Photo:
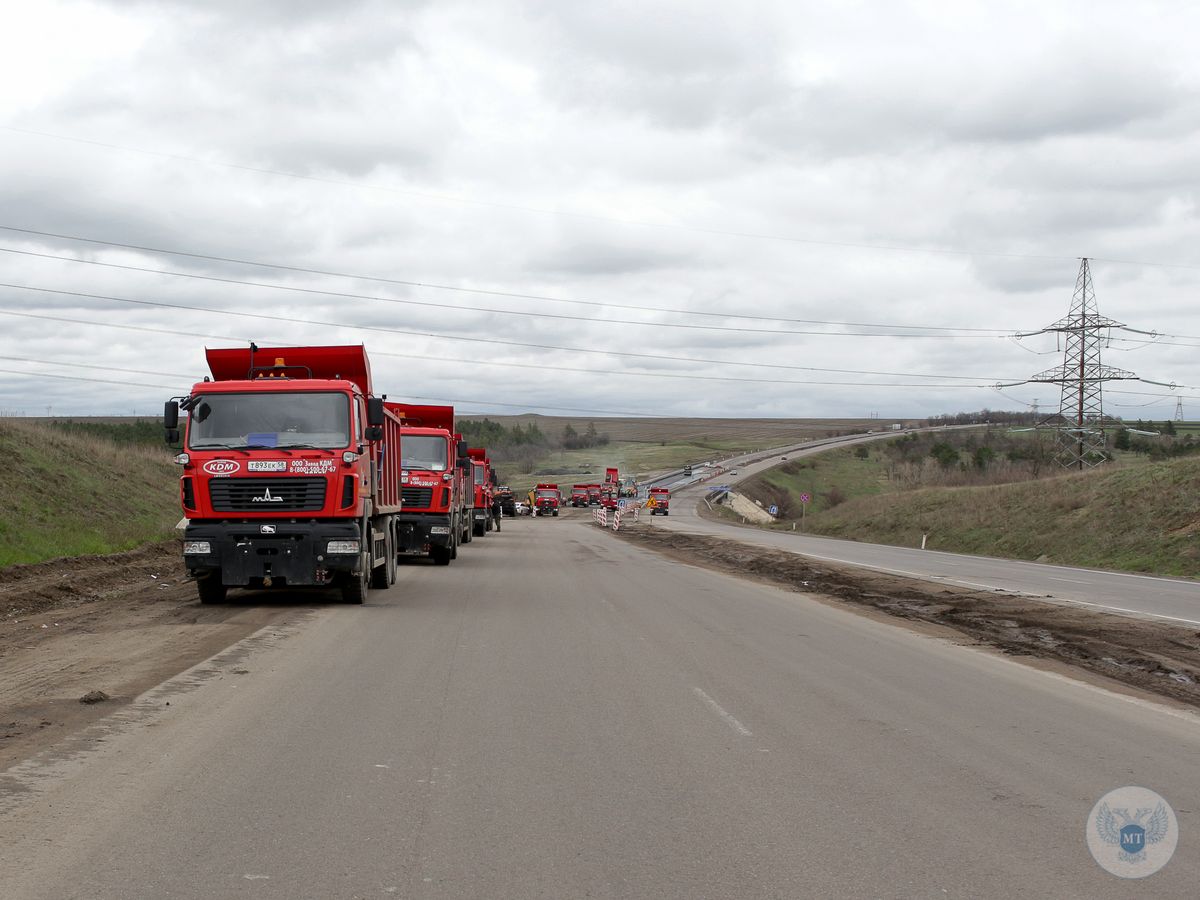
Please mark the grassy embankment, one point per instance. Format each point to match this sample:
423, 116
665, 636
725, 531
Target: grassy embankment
73, 492
1133, 515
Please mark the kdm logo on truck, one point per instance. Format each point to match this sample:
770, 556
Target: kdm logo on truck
221, 466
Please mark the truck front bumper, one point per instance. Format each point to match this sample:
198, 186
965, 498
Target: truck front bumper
418, 532
294, 553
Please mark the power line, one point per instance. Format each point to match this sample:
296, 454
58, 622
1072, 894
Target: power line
478, 340
442, 359
482, 309
525, 406
458, 289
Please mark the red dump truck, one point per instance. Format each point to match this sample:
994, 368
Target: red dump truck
291, 472
659, 502
434, 481
579, 495
612, 476
595, 493
484, 480
544, 499
608, 495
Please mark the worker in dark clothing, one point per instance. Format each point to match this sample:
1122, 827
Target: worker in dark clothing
497, 511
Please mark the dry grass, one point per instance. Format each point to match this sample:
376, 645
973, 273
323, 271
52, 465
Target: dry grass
1140, 519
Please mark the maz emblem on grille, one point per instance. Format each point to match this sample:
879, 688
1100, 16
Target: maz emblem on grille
267, 497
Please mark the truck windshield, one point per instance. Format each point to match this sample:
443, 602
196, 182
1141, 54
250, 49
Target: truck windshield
270, 419
478, 474
423, 452
547, 493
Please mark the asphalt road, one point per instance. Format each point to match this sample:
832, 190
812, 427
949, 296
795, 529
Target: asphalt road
560, 714
1167, 599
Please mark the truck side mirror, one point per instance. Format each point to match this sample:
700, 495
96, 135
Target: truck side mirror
462, 450
171, 421
464, 464
373, 432
375, 414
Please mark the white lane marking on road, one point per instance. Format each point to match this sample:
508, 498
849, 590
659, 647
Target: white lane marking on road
722, 714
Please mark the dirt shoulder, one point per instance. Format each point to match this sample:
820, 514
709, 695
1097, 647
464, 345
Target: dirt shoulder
1150, 656
118, 624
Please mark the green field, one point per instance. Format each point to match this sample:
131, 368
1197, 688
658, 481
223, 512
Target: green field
641, 446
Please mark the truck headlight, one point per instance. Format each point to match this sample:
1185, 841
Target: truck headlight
196, 548
342, 547
440, 529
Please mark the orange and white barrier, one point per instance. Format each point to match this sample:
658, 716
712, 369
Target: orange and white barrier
603, 518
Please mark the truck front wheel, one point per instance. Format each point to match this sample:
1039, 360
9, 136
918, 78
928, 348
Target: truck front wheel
355, 587
210, 589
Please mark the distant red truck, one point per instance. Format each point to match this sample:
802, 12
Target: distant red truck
484, 478
435, 482
579, 495
659, 503
544, 499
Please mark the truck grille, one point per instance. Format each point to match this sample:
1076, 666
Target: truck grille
421, 498
267, 494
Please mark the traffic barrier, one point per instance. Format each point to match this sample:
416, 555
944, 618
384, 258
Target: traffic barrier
600, 516
624, 513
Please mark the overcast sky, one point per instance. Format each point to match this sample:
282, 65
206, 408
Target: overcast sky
762, 173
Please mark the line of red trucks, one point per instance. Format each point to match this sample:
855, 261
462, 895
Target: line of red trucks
296, 473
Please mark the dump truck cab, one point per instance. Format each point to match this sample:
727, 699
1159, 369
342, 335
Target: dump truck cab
659, 503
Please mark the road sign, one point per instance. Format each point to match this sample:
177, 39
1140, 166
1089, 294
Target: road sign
621, 504
804, 498
774, 510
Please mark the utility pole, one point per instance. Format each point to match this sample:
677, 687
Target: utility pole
1080, 421
1178, 409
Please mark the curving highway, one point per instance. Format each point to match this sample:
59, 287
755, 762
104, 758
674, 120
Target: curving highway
1166, 599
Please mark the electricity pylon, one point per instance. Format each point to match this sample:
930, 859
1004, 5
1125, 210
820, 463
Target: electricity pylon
1080, 421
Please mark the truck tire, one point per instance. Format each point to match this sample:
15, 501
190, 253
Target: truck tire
210, 589
355, 587
440, 555
555, 513
487, 523
384, 576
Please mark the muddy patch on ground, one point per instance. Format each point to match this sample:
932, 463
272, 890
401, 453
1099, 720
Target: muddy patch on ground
1152, 656
111, 625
